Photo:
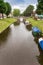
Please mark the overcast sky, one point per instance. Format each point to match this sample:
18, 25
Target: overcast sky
21, 4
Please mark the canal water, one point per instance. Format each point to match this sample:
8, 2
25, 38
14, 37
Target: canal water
18, 47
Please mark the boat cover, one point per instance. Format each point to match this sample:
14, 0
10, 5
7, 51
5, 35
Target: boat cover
35, 29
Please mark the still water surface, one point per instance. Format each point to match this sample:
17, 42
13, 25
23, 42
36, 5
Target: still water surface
17, 47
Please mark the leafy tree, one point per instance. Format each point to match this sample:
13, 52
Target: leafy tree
40, 0
28, 10
2, 7
16, 12
1, 1
39, 9
8, 8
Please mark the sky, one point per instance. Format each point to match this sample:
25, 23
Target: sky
21, 4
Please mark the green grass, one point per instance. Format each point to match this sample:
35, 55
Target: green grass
38, 23
4, 23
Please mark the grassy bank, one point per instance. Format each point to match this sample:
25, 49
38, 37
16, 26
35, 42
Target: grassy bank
4, 23
38, 23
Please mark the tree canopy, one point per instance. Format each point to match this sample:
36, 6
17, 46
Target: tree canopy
5, 8
2, 6
16, 12
8, 8
28, 10
39, 9
40, 0
1, 1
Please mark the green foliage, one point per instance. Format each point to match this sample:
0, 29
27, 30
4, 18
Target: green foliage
8, 8
5, 23
39, 9
40, 0
37, 23
28, 11
1, 1
2, 7
16, 12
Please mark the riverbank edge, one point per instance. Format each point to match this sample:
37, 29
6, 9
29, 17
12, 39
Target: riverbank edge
36, 23
8, 26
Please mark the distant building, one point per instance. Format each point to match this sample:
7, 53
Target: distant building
10, 15
0, 16
36, 16
3, 16
40, 16
33, 13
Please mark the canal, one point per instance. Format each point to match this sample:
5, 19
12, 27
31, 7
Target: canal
18, 47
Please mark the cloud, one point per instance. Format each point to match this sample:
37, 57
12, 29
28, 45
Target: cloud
17, 2
22, 7
21, 4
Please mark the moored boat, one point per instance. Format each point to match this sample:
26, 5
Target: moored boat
36, 32
41, 42
21, 19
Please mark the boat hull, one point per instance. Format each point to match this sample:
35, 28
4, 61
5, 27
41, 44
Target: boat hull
41, 43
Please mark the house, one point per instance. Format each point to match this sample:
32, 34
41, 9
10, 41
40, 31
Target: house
0, 16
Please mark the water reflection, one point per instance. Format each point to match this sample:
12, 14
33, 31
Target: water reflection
4, 35
17, 23
29, 27
36, 40
19, 48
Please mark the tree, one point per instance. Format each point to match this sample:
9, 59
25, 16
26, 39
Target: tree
40, 0
8, 9
28, 10
16, 12
39, 9
1, 1
2, 7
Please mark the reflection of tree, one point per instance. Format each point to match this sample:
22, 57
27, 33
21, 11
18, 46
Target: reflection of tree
17, 22
4, 35
40, 57
29, 27
36, 39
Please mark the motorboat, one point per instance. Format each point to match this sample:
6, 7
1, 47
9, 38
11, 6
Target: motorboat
36, 31
41, 42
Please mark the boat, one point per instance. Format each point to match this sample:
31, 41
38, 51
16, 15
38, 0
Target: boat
41, 42
21, 19
26, 22
36, 32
